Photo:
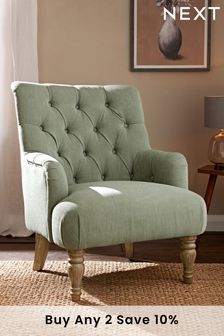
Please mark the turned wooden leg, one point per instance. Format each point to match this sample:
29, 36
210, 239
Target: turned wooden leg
188, 255
41, 250
75, 272
129, 250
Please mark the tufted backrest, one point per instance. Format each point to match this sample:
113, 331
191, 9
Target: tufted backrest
95, 132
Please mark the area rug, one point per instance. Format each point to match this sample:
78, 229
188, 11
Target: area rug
111, 283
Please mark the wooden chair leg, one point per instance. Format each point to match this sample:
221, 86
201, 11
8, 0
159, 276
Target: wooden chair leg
129, 250
75, 272
188, 255
41, 250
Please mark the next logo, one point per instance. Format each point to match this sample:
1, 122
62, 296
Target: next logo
185, 13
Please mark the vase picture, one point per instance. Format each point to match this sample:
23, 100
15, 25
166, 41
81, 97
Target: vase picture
161, 40
170, 39
170, 36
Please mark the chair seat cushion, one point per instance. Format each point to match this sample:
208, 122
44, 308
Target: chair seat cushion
107, 213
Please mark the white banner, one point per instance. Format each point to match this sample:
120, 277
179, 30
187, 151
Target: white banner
112, 320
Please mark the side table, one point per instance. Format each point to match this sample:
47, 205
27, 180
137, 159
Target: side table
213, 172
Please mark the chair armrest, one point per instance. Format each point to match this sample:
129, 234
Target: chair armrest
161, 167
44, 185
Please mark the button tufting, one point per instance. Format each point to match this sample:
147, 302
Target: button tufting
125, 125
131, 176
103, 177
95, 129
84, 153
152, 178
107, 104
114, 151
77, 106
41, 127
50, 103
67, 130
59, 154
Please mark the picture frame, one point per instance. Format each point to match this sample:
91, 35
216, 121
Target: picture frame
147, 26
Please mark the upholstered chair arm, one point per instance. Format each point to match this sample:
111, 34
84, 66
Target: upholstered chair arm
44, 185
161, 167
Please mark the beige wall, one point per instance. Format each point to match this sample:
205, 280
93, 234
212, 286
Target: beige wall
87, 42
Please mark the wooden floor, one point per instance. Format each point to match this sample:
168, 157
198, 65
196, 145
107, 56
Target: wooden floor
210, 250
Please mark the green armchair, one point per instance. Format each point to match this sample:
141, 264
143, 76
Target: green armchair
91, 179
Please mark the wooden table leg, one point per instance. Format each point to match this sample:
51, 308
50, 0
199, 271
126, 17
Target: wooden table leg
209, 190
208, 197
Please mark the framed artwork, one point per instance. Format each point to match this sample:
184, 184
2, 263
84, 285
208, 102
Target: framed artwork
164, 42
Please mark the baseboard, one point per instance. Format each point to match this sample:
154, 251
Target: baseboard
215, 223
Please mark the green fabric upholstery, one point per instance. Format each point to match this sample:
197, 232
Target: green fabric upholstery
44, 185
90, 177
161, 167
106, 213
94, 132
